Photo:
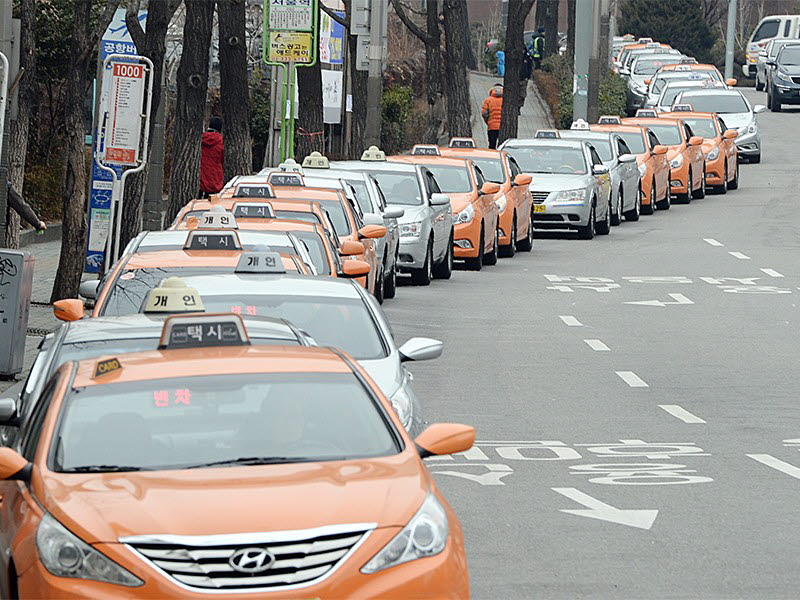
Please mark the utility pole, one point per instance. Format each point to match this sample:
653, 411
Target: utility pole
605, 37
372, 132
5, 48
583, 42
730, 39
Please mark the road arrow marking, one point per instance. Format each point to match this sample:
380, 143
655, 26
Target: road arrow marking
679, 299
639, 518
712, 241
771, 461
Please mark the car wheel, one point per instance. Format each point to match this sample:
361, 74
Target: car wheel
491, 258
687, 197
604, 226
509, 250
755, 159
650, 208
759, 85
774, 103
445, 268
390, 283
616, 216
733, 184
701, 191
423, 275
526, 245
634, 213
723, 189
476, 264
587, 231
667, 201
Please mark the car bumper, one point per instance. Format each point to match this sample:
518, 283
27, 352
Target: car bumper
679, 179
636, 101
561, 215
750, 143
467, 239
715, 170
505, 223
785, 94
411, 253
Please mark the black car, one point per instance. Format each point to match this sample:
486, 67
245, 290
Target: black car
784, 85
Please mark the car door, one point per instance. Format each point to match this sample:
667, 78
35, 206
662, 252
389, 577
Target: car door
630, 173
728, 147
696, 154
661, 162
603, 180
521, 194
487, 205
441, 238
392, 228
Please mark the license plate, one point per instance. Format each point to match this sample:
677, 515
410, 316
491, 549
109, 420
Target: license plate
538, 208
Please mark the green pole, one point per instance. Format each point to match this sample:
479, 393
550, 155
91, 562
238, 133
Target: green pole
292, 70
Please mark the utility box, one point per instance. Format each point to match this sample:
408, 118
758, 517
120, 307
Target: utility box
16, 282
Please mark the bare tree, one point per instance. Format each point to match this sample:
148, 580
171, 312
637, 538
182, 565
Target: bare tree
517, 13
310, 125
18, 130
234, 88
571, 27
73, 233
190, 106
547, 17
713, 11
456, 81
358, 88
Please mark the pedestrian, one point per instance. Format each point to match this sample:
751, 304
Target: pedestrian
525, 71
492, 111
17, 202
212, 174
537, 48
501, 63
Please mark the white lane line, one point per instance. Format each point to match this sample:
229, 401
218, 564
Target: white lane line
570, 321
771, 461
713, 242
739, 255
632, 379
681, 413
772, 272
597, 346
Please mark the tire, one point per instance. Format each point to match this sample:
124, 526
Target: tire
650, 208
774, 105
509, 250
667, 201
604, 226
390, 283
423, 275
491, 259
445, 268
723, 189
378, 293
634, 213
755, 159
526, 245
587, 231
759, 85
687, 197
733, 184
701, 193
616, 217
476, 264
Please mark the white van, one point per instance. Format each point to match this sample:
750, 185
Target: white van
774, 26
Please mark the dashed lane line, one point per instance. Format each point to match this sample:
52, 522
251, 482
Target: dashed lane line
779, 465
597, 346
632, 379
713, 242
772, 272
570, 321
739, 255
681, 413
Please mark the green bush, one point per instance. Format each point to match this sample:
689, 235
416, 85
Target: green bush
397, 109
612, 95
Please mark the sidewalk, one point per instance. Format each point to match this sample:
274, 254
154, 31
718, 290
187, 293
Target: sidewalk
535, 114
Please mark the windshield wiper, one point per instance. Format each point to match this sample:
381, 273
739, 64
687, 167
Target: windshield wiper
250, 460
102, 469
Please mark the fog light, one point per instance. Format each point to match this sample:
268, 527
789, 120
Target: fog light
500, 232
463, 243
675, 183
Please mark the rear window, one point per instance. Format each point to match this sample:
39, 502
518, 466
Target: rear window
767, 30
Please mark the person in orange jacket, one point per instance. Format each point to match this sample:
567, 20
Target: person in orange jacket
491, 112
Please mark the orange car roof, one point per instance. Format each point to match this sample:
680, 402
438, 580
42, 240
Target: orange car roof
644, 121
428, 160
219, 360
612, 127
303, 193
687, 114
193, 258
692, 67
467, 153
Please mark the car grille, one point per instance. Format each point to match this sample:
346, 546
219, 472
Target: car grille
204, 563
796, 79
539, 197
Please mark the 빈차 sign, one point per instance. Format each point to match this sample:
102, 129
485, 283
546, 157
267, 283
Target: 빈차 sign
290, 46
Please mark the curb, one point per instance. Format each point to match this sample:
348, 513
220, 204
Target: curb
31, 236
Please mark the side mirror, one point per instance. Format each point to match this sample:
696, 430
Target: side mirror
759, 108
695, 140
88, 289
440, 199
730, 134
372, 219
658, 150
351, 248
354, 268
730, 81
627, 158
599, 169
372, 232
69, 309
523, 179
14, 466
393, 212
8, 411
420, 348
489, 187
444, 438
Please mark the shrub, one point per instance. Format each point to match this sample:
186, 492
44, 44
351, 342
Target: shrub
397, 108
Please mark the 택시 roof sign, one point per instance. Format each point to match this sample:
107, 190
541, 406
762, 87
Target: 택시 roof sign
425, 150
203, 331
253, 210
212, 240
253, 190
289, 179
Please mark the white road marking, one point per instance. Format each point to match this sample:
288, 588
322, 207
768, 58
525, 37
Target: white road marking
597, 346
679, 299
771, 461
739, 255
713, 242
632, 379
681, 413
570, 321
772, 272
595, 509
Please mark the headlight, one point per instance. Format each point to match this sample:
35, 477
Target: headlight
425, 535
501, 203
65, 555
752, 128
402, 405
783, 78
713, 154
570, 195
466, 215
642, 169
411, 229
676, 162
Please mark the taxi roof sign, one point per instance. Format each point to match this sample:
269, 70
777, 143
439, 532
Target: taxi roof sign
689, 60
253, 210
205, 239
683, 67
315, 160
644, 40
373, 153
286, 178
462, 142
290, 166
203, 331
653, 45
106, 366
217, 218
646, 112
609, 120
579, 124
260, 261
253, 190
172, 296
425, 150
550, 134
683, 108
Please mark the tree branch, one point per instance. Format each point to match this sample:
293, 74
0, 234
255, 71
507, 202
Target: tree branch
340, 20
102, 24
134, 27
413, 27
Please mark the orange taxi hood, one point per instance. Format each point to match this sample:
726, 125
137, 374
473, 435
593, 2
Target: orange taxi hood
459, 201
227, 500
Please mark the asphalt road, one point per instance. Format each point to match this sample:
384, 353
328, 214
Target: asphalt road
594, 413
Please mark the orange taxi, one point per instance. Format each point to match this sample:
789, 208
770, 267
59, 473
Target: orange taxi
684, 152
513, 200
213, 467
710, 69
651, 158
475, 235
624, 53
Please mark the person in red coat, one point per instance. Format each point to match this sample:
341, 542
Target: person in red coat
212, 176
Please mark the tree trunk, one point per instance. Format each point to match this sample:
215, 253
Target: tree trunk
433, 74
234, 88
152, 44
469, 55
18, 130
571, 27
547, 17
358, 92
310, 133
190, 106
517, 14
73, 233
458, 101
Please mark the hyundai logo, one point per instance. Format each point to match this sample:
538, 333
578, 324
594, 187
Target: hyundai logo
251, 560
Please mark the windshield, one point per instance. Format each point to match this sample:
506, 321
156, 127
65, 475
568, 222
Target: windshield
399, 188
703, 127
344, 323
718, 103
634, 140
451, 180
562, 160
491, 168
649, 66
669, 94
220, 420
339, 220
669, 135
790, 57
659, 83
